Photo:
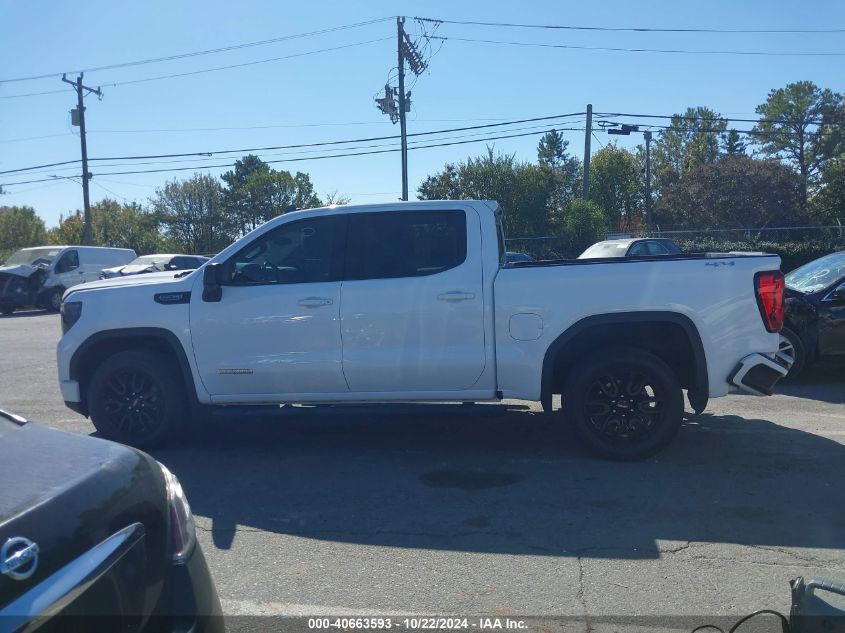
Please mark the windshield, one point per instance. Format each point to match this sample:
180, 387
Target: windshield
818, 274
33, 257
605, 249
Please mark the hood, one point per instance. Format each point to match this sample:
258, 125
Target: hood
68, 505
163, 278
19, 270
133, 269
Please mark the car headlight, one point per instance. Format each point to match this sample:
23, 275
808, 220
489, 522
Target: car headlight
183, 532
71, 311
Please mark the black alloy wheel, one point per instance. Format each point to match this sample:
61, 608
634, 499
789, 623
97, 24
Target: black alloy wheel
626, 403
135, 397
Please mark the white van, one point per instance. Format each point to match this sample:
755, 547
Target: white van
40, 275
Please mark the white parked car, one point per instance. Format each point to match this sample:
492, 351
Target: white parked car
413, 302
631, 247
154, 264
40, 275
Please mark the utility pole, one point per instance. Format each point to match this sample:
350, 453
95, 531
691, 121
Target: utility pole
587, 136
400, 47
78, 118
396, 103
647, 136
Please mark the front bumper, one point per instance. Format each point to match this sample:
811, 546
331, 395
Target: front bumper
757, 374
70, 392
189, 600
105, 590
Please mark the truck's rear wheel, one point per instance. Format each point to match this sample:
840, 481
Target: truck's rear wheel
626, 403
135, 397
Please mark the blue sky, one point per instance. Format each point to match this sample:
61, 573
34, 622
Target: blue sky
329, 96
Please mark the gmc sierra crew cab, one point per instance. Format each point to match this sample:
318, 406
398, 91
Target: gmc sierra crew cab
415, 302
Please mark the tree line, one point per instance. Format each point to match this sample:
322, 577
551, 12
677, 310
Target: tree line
787, 170
198, 215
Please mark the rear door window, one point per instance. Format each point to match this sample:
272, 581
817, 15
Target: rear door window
638, 250
405, 244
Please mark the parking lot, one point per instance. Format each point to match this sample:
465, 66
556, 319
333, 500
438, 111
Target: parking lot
496, 509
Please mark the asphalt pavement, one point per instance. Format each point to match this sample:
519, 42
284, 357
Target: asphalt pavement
497, 509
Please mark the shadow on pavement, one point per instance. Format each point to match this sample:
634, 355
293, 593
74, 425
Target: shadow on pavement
817, 383
511, 481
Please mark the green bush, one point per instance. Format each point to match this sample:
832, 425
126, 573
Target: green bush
793, 253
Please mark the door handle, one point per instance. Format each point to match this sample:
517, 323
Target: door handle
455, 296
315, 302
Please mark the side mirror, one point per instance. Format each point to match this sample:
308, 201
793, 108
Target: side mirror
838, 293
211, 290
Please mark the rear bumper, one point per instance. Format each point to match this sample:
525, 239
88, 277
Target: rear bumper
757, 374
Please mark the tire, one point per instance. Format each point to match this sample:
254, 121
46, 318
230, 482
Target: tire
791, 344
53, 301
137, 397
626, 403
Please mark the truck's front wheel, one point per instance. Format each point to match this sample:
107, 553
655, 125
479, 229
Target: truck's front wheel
626, 403
135, 397
53, 299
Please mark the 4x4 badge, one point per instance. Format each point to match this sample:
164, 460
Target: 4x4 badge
18, 558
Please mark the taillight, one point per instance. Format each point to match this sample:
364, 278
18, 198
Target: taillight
769, 289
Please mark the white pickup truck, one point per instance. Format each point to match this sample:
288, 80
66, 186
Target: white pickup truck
414, 302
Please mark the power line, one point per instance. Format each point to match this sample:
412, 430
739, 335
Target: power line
34, 138
64, 162
726, 130
290, 160
306, 151
210, 51
630, 29
211, 154
107, 190
215, 69
243, 64
300, 145
189, 130
641, 50
33, 94
696, 118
